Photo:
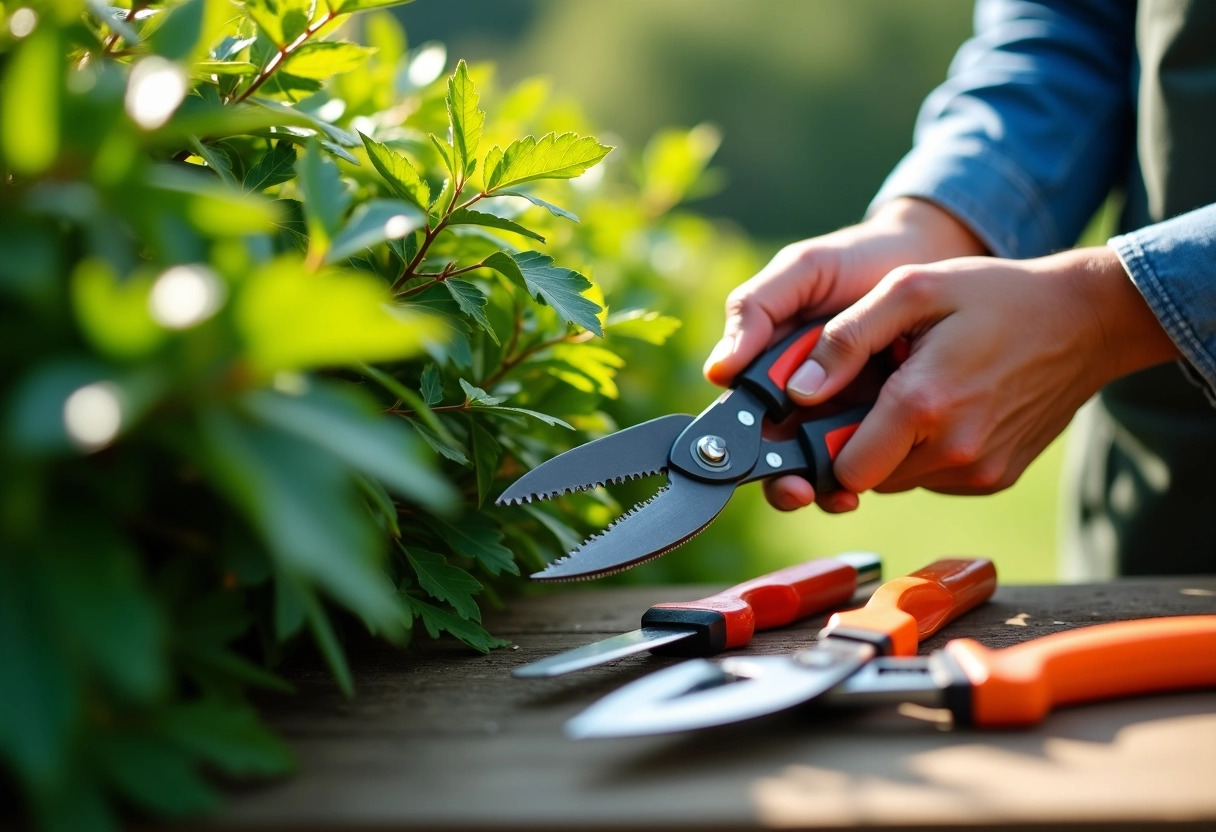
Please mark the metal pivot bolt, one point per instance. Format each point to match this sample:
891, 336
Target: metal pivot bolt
712, 450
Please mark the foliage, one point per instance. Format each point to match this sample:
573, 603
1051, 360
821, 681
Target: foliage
277, 329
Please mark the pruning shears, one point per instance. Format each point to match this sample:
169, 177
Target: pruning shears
704, 458
701, 693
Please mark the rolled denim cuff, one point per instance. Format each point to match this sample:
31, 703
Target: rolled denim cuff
982, 189
1173, 264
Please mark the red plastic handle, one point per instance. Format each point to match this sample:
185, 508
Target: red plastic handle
1020, 685
777, 599
914, 607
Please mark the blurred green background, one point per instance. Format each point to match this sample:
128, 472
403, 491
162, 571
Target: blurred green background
813, 104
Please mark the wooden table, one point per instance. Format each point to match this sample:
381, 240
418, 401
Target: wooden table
449, 740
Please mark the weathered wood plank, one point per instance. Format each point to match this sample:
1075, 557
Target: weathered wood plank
446, 739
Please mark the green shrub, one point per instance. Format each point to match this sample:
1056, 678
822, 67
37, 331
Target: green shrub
283, 309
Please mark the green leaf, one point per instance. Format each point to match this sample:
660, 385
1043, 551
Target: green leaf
29, 100
325, 197
567, 538
374, 222
472, 302
595, 365
641, 325
304, 505
476, 537
553, 156
540, 203
282, 20
274, 167
544, 417
449, 448
180, 32
446, 582
486, 454
289, 613
327, 642
447, 154
154, 775
114, 313
290, 319
465, 216
229, 736
560, 288
439, 620
349, 427
465, 118
209, 68
321, 60
397, 171
432, 385
348, 6
216, 158
477, 396
381, 504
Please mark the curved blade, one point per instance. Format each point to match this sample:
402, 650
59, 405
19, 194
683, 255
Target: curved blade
678, 512
701, 693
639, 451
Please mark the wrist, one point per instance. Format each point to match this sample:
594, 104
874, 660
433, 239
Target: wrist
930, 232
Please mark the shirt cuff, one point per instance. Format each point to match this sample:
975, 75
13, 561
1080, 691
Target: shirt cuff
981, 188
1173, 264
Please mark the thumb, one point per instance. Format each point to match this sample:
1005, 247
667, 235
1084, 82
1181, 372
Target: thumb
848, 341
746, 334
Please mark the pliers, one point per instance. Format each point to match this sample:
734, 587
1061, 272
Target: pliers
704, 459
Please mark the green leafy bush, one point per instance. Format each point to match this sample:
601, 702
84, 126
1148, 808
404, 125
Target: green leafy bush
283, 309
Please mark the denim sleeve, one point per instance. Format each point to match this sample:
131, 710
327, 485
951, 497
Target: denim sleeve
1173, 264
1032, 127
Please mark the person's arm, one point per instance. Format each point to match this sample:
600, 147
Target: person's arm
1032, 127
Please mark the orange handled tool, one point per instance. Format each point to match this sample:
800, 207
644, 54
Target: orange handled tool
700, 693
729, 618
1020, 685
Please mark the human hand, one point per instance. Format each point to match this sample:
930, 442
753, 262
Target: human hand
823, 275
1002, 353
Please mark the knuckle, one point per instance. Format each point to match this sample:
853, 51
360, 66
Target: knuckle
915, 285
988, 476
922, 406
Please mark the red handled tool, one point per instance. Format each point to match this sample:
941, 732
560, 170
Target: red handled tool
728, 619
704, 459
700, 693
1020, 685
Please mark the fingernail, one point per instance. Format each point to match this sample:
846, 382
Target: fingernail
807, 379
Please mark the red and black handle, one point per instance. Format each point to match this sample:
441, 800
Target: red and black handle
730, 618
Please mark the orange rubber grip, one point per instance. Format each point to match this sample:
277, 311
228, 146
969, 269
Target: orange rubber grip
916, 606
1020, 685
777, 599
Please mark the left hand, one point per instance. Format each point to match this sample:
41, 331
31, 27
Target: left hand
1002, 354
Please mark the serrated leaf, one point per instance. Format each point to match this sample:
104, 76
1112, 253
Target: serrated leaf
339, 151
478, 396
555, 210
398, 172
553, 156
559, 287
446, 582
274, 167
641, 325
476, 536
486, 454
216, 158
438, 620
432, 385
465, 118
374, 222
321, 60
472, 302
451, 449
466, 216
446, 153
282, 20
544, 417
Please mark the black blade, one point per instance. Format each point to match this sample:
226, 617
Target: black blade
639, 451
677, 513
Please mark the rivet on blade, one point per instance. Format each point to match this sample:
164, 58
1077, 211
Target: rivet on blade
712, 450
746, 418
773, 460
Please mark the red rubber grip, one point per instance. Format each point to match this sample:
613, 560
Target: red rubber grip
777, 599
790, 360
914, 607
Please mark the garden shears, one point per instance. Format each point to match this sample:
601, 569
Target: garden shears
701, 693
704, 458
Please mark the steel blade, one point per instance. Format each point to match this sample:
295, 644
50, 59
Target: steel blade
674, 515
634, 452
590, 655
701, 693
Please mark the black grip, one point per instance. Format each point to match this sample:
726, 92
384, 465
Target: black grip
822, 440
766, 377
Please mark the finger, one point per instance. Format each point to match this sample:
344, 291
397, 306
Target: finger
789, 493
852, 337
883, 440
838, 502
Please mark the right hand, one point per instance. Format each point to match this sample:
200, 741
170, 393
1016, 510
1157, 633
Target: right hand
824, 275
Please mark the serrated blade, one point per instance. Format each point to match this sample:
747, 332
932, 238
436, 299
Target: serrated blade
638, 451
600, 652
700, 693
674, 515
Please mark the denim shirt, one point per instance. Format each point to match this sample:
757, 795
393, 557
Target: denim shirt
1034, 126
